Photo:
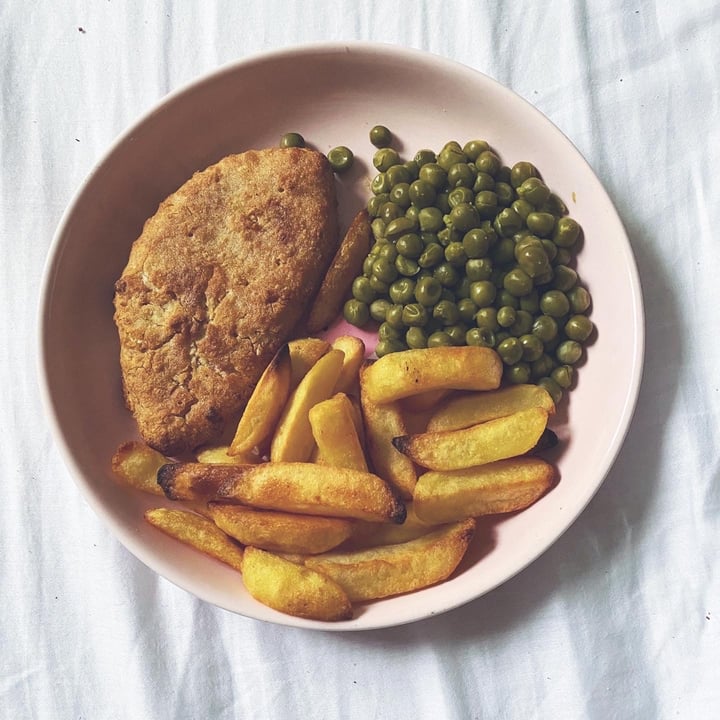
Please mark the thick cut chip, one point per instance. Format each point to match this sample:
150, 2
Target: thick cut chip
333, 427
308, 489
304, 353
424, 401
265, 405
345, 266
293, 589
137, 465
382, 424
472, 408
215, 284
191, 481
505, 437
198, 532
394, 569
280, 531
219, 454
500, 487
367, 534
354, 350
293, 440
410, 372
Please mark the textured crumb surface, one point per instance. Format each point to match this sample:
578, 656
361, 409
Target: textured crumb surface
216, 282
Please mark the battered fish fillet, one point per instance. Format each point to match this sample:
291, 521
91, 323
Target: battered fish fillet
215, 284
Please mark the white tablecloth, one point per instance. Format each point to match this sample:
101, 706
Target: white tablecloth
619, 619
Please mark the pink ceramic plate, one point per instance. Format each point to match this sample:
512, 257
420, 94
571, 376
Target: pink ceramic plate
333, 94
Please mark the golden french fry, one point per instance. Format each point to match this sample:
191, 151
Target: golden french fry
499, 487
354, 349
279, 531
293, 589
346, 265
371, 534
265, 405
137, 465
219, 454
188, 482
334, 431
409, 372
382, 424
307, 489
393, 569
293, 440
493, 440
198, 532
304, 353
422, 402
470, 409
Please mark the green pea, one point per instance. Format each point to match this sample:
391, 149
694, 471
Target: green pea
523, 208
551, 249
447, 312
380, 136
457, 333
446, 274
518, 282
292, 139
467, 309
399, 226
505, 194
427, 291
473, 148
503, 252
523, 323
545, 328
564, 278
533, 260
459, 195
554, 303
555, 206
432, 173
478, 269
488, 162
400, 194
451, 154
402, 291
476, 243
510, 350
464, 217
541, 367
407, 267
566, 233
376, 202
578, 327
356, 313
380, 184
517, 374
422, 193
379, 286
506, 316
390, 211
487, 317
385, 158
378, 309
461, 175
393, 316
388, 332
385, 347
532, 347
486, 203
563, 375
416, 338
483, 181
534, 190
439, 339
384, 270
482, 293
455, 254
540, 223
377, 226
415, 315
397, 175
501, 335
507, 222
413, 169
482, 337
531, 302
412, 214
410, 245
568, 352
553, 389
362, 290
367, 266
423, 157
430, 219
387, 251
579, 299
341, 158
442, 203
432, 255
521, 171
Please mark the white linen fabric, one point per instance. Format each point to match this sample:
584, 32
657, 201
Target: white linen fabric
620, 618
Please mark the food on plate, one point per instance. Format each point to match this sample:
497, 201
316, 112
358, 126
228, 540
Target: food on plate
304, 353
373, 534
394, 569
354, 351
504, 437
422, 402
293, 589
293, 440
265, 405
215, 284
137, 465
341, 158
180, 483
469, 251
220, 454
473, 408
278, 531
333, 427
499, 487
292, 139
382, 424
198, 532
402, 374
343, 268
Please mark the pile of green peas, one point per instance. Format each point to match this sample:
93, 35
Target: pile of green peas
468, 251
